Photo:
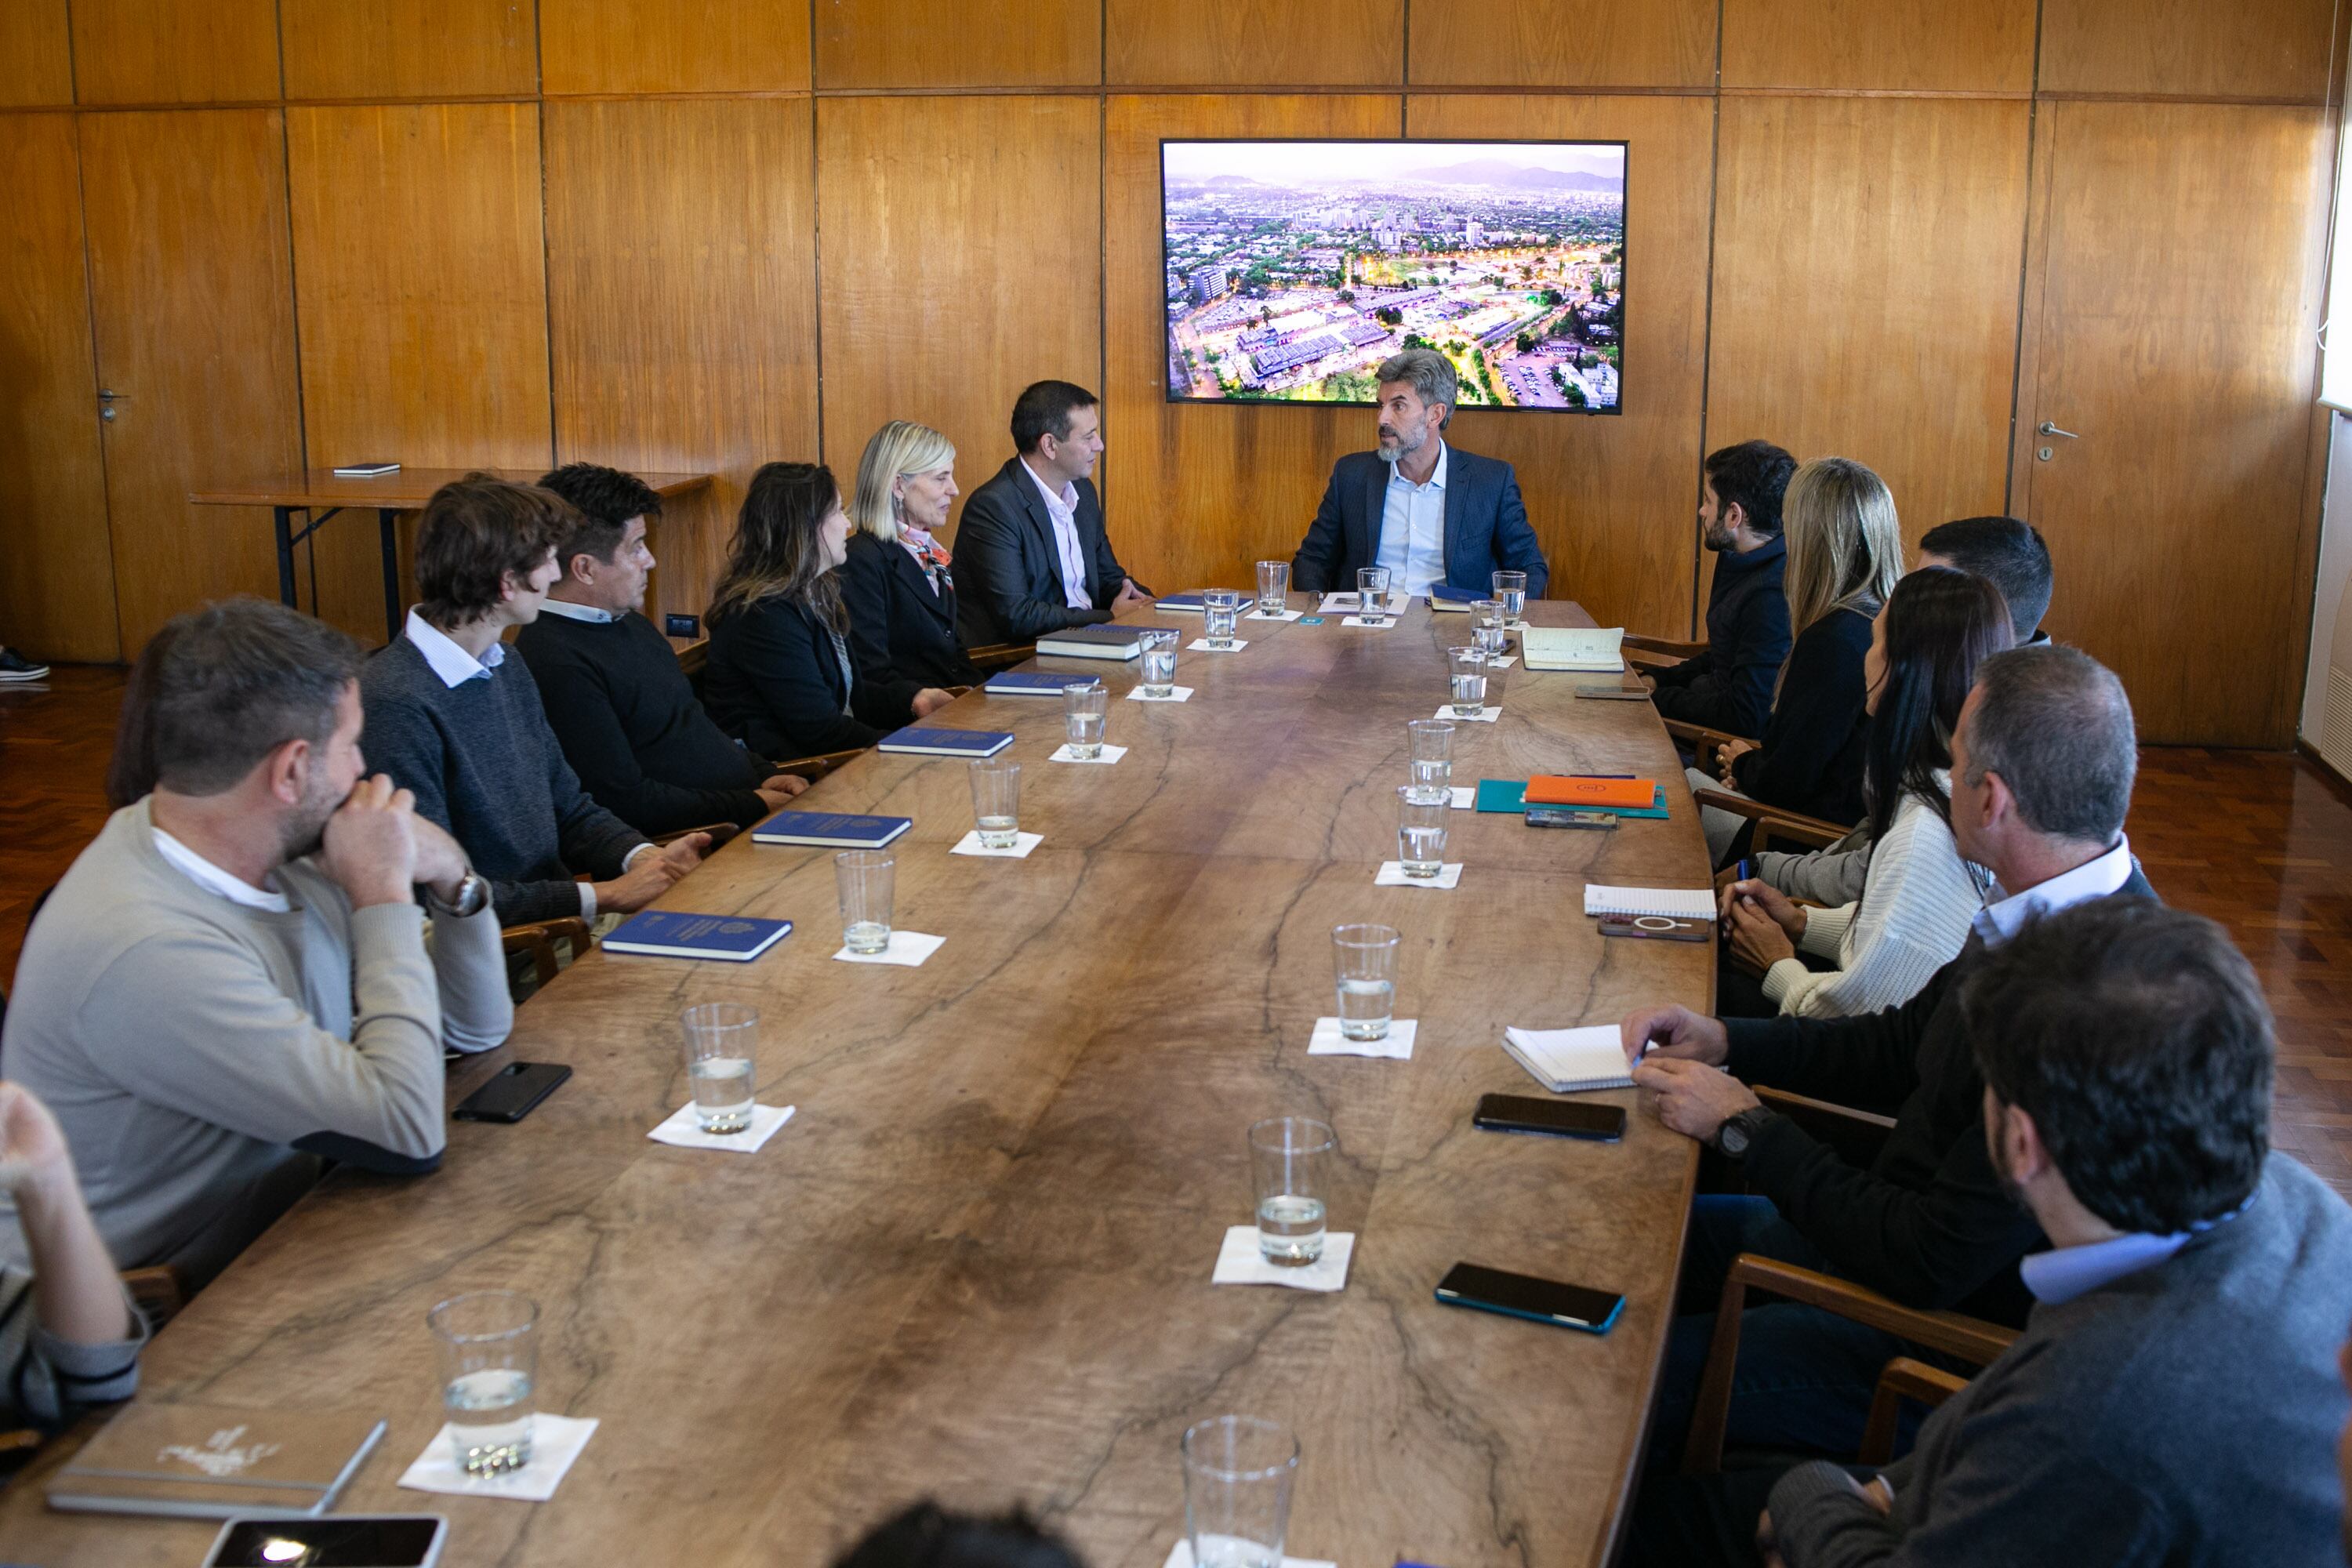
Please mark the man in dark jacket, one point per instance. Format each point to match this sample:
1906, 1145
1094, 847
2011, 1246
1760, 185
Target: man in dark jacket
1729, 686
2043, 762
1031, 556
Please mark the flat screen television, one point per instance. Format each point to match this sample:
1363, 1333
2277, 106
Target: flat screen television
1292, 269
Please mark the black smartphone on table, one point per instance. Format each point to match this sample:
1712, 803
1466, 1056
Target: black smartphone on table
1524, 1296
383, 1541
1550, 1118
513, 1092
1568, 817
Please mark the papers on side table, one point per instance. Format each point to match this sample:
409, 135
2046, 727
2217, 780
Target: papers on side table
906, 948
682, 1130
1391, 875
555, 1442
1396, 1045
1239, 1262
1022, 843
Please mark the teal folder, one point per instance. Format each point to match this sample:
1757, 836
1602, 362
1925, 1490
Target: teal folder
1511, 796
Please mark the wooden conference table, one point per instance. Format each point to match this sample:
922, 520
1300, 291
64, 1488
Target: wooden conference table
975, 1266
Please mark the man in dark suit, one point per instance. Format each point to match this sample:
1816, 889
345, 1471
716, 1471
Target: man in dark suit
1031, 553
1429, 512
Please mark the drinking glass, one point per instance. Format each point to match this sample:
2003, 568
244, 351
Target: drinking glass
1372, 593
1432, 754
1290, 1177
1421, 832
996, 802
1511, 588
1158, 663
489, 1360
1489, 628
1272, 588
1085, 709
1219, 607
1238, 1472
1366, 959
1467, 665
867, 880
721, 1047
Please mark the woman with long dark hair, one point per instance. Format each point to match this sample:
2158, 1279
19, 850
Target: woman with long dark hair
781, 679
1920, 896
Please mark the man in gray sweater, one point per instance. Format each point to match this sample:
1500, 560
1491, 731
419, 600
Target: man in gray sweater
233, 980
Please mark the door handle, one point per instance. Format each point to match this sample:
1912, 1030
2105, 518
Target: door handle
2047, 429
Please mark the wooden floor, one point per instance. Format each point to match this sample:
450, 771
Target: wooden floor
2261, 841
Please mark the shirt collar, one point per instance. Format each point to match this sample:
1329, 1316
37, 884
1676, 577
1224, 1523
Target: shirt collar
453, 664
1436, 476
1062, 505
2005, 914
213, 880
2065, 1272
571, 611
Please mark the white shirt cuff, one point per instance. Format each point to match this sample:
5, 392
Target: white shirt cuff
587, 901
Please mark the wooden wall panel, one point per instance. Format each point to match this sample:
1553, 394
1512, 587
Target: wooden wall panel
191, 292
1615, 497
2257, 49
674, 46
1276, 43
56, 584
35, 53
685, 328
961, 258
175, 51
377, 49
421, 283
1918, 45
925, 44
1196, 492
1540, 43
1865, 301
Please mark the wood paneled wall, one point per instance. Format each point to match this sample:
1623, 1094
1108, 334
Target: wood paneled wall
705, 234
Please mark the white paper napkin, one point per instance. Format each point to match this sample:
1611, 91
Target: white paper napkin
1486, 715
1239, 1262
1022, 843
681, 1130
1391, 875
1344, 600
1396, 1045
555, 1442
1175, 694
1465, 797
906, 948
1109, 755
1180, 1557
1503, 661
1202, 644
1380, 626
1274, 615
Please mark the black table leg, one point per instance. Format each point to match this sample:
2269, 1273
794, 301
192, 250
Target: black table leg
388, 525
285, 515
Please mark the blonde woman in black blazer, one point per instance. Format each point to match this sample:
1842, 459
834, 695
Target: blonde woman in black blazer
901, 601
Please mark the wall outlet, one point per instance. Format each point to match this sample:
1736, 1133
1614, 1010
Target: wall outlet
682, 626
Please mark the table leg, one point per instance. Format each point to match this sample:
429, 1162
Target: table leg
388, 526
285, 516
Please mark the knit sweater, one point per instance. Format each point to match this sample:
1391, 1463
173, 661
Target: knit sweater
1911, 920
192, 1046
484, 765
2185, 1414
1729, 686
46, 1380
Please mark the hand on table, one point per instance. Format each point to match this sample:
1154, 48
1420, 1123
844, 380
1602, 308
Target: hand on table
1673, 1031
1760, 924
779, 788
1129, 597
1694, 1099
651, 875
930, 700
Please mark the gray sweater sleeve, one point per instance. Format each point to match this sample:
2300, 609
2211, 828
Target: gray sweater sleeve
1834, 876
470, 970
46, 1380
2017, 1495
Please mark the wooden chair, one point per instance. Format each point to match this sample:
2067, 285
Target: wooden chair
538, 941
721, 832
1703, 742
1855, 1136
1658, 653
815, 768
1000, 656
1774, 827
1901, 1379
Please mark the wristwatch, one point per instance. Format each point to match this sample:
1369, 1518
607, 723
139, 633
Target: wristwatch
1734, 1135
473, 898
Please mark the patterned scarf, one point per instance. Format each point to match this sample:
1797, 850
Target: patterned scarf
929, 553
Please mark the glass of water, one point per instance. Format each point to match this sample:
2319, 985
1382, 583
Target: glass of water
489, 1362
1158, 663
867, 880
1219, 607
1085, 708
1372, 593
1366, 959
1511, 589
1432, 754
1467, 668
1489, 628
996, 802
721, 1047
1272, 588
1290, 1175
1238, 1472
1420, 831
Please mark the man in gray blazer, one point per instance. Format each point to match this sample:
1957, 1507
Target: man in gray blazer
1432, 514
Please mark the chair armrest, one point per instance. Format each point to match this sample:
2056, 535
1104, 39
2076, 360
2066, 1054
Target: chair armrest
1903, 1379
1856, 1136
156, 1292
815, 768
1000, 656
538, 941
1642, 658
1787, 826
1952, 1333
721, 832
1674, 647
1703, 742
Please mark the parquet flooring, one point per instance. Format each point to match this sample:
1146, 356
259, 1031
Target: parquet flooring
2261, 841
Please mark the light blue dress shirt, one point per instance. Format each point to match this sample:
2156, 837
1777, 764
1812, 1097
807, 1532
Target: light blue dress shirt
1413, 530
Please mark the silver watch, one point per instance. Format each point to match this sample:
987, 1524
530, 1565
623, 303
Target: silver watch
473, 898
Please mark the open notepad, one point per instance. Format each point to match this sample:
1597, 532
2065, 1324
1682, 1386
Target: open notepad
1674, 903
1566, 1060
1592, 650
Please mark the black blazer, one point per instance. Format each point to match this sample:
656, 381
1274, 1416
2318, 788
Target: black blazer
1811, 754
1486, 528
775, 683
1008, 573
902, 637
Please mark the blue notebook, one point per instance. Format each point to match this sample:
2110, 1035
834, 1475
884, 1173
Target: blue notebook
1034, 683
946, 742
672, 933
1191, 601
1454, 596
830, 829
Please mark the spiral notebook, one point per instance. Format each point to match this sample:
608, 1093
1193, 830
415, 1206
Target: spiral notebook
1566, 1061
1673, 903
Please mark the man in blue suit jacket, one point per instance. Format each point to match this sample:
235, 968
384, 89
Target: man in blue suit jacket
1427, 511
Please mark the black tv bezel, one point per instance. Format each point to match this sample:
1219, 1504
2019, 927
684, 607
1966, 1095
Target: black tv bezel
1626, 246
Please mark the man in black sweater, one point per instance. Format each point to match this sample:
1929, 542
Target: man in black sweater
1729, 686
2042, 763
628, 722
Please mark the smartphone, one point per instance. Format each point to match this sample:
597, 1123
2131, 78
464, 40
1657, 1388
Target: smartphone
345, 1541
1554, 1117
1658, 927
1567, 816
1613, 693
513, 1092
1524, 1296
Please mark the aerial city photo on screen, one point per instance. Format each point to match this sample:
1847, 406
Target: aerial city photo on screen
1295, 268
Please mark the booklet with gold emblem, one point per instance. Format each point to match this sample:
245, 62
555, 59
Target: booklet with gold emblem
199, 1461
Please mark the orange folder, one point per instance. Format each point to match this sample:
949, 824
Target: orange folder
1575, 789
